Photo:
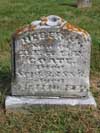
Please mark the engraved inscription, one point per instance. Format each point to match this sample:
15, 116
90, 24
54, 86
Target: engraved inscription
51, 62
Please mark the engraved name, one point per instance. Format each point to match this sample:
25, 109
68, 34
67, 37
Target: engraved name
40, 36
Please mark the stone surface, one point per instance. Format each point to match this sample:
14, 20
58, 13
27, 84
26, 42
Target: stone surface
84, 3
20, 102
51, 58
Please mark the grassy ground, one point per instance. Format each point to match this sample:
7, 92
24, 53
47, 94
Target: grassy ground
16, 13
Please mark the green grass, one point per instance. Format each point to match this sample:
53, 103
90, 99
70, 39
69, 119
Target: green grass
54, 119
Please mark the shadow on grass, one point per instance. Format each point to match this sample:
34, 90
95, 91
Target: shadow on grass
69, 4
5, 86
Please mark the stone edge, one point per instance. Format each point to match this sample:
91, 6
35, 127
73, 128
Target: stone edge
17, 102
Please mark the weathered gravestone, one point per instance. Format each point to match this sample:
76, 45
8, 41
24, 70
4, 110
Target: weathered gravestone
84, 3
50, 60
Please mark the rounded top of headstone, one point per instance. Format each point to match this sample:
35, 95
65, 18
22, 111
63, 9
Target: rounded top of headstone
52, 21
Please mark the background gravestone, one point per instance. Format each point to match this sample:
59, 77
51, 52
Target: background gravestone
84, 3
51, 58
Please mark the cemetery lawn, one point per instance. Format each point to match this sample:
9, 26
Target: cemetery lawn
49, 119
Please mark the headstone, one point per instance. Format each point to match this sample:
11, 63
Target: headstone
51, 59
84, 3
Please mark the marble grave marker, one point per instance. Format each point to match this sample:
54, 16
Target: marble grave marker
51, 58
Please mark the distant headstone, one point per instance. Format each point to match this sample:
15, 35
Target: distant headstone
50, 59
84, 3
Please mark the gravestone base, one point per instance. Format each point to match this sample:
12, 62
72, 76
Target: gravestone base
13, 102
